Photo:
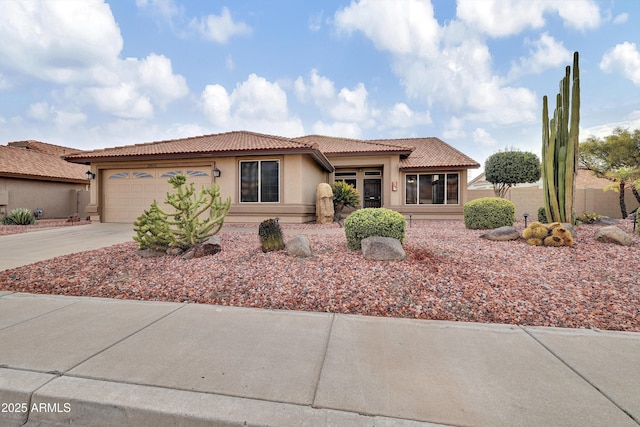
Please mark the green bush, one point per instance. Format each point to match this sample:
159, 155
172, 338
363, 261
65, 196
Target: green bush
489, 212
20, 216
589, 218
369, 222
542, 215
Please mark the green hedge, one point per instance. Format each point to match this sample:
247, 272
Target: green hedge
488, 212
369, 222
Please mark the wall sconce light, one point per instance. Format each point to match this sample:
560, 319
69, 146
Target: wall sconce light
216, 173
90, 175
525, 215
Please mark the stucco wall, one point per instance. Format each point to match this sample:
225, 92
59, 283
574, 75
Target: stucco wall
528, 199
56, 199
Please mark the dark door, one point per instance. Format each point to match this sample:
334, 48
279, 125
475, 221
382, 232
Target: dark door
373, 193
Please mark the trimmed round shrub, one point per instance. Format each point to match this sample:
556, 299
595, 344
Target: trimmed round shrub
370, 222
489, 212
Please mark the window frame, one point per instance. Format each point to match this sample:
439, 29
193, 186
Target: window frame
259, 181
444, 176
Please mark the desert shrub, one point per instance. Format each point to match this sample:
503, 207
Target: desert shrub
270, 235
542, 215
344, 196
488, 212
188, 224
20, 216
589, 218
370, 222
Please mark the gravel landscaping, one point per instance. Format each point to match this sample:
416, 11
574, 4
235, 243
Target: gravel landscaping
449, 274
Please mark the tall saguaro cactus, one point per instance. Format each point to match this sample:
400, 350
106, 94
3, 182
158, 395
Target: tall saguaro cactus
560, 148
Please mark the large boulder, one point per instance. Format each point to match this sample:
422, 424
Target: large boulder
382, 249
324, 204
298, 246
502, 234
612, 234
571, 229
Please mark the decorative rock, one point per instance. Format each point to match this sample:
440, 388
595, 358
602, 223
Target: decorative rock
174, 251
324, 204
612, 234
298, 246
150, 253
211, 246
382, 249
571, 229
502, 234
606, 221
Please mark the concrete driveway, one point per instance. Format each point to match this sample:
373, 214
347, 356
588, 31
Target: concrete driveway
38, 245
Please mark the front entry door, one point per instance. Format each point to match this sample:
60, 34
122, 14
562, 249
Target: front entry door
373, 193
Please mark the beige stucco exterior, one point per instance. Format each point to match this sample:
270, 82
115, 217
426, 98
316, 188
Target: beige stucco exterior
56, 199
299, 176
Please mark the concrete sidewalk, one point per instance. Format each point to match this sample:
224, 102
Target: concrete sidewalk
98, 362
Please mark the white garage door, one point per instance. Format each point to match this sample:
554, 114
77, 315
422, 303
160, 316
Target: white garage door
129, 192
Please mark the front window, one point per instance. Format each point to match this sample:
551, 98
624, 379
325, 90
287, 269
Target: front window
431, 189
348, 177
260, 181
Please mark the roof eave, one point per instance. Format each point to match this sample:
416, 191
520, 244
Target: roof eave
43, 178
316, 154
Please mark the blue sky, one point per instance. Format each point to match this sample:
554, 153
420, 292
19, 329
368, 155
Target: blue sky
94, 73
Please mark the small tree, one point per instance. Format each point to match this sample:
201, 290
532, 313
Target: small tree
158, 229
616, 158
505, 169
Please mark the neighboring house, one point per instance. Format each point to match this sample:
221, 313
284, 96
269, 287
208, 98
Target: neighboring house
480, 183
34, 176
270, 176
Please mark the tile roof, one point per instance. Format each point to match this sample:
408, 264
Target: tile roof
33, 164
43, 147
433, 153
416, 153
230, 143
332, 145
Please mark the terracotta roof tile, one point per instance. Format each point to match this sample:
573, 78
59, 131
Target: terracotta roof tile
223, 142
434, 153
29, 163
43, 147
333, 145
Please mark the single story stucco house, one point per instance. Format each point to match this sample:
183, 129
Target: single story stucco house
34, 176
271, 176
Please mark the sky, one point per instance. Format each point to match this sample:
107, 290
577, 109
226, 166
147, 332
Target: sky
93, 73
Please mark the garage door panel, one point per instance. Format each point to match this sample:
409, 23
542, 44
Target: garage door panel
129, 192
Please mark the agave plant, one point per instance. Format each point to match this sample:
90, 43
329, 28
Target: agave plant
20, 216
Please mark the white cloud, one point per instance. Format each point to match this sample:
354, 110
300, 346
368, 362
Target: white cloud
219, 28
625, 59
454, 129
66, 120
167, 10
450, 66
60, 42
39, 111
320, 90
500, 18
401, 116
63, 120
579, 14
339, 129
621, 19
77, 44
546, 53
482, 137
315, 21
255, 104
403, 27
156, 78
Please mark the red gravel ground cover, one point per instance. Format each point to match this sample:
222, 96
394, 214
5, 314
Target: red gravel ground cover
43, 223
449, 274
